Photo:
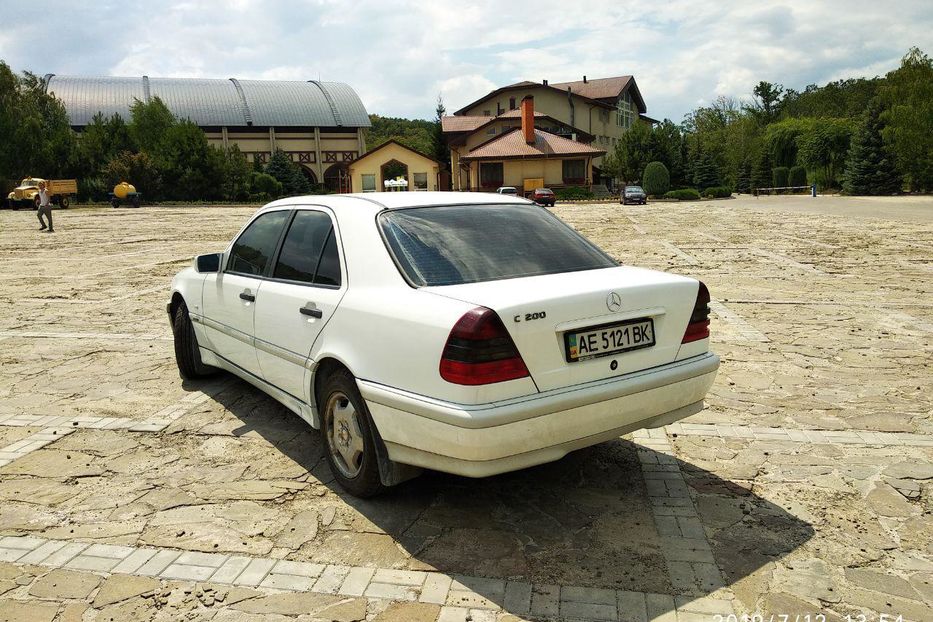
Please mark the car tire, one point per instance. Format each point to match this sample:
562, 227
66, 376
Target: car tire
115, 203
187, 353
347, 432
64, 202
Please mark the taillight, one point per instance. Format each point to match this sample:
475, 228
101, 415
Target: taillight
480, 350
698, 328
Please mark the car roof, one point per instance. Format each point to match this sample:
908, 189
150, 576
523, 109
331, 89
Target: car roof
378, 201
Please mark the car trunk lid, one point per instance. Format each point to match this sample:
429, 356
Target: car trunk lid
539, 311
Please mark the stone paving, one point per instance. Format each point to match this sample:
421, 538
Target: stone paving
805, 487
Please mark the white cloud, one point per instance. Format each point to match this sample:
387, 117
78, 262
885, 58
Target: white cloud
399, 54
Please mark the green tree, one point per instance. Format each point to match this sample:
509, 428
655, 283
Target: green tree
908, 95
839, 99
633, 152
870, 166
236, 177
743, 180
656, 179
264, 187
150, 125
823, 150
767, 101
761, 172
416, 134
36, 136
441, 153
705, 172
138, 169
293, 182
102, 140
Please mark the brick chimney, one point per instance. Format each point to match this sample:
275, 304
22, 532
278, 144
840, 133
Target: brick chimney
584, 79
528, 119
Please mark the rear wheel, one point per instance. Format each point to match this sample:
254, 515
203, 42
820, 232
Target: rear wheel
115, 203
348, 436
187, 353
64, 202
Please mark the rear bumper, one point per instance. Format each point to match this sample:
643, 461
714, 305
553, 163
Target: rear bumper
486, 439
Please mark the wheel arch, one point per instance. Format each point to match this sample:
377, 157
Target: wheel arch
326, 366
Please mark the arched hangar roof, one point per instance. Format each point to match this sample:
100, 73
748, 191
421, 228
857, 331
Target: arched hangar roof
214, 102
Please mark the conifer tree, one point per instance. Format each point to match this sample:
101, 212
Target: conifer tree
870, 166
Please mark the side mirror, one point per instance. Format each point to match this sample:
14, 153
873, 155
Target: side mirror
207, 263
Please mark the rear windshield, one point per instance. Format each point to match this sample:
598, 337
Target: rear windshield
458, 244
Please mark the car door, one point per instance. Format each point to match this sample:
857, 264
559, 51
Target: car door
304, 288
229, 297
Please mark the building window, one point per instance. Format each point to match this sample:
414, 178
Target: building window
491, 130
369, 183
511, 103
421, 181
624, 115
487, 113
490, 174
574, 171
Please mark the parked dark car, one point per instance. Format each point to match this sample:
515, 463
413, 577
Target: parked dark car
633, 194
543, 196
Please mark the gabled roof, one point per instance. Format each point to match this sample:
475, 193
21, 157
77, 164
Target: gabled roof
512, 145
598, 90
471, 123
392, 141
605, 88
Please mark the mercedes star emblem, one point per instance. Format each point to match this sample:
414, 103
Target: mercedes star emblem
614, 301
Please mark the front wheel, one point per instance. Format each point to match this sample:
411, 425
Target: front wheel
64, 202
348, 436
187, 353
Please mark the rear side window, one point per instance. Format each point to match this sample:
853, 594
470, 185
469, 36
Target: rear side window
254, 248
474, 243
303, 245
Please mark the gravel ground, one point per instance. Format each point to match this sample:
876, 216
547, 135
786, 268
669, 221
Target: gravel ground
805, 486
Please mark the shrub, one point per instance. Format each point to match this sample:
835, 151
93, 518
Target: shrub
684, 194
717, 192
136, 168
779, 175
656, 180
573, 193
264, 187
797, 176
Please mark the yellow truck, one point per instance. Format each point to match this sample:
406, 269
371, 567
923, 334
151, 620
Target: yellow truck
26, 194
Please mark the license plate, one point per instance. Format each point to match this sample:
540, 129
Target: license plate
590, 343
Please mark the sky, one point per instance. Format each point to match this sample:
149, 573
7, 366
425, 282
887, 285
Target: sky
400, 55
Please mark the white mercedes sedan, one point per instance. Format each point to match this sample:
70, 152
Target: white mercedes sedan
463, 332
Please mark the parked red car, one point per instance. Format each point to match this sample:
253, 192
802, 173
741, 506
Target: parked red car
543, 196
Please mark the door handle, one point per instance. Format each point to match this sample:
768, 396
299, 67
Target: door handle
247, 297
312, 312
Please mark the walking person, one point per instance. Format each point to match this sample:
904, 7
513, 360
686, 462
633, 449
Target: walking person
45, 208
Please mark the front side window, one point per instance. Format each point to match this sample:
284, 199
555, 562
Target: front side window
369, 183
490, 174
301, 250
458, 244
253, 249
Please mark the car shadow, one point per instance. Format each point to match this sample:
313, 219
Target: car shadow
591, 519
